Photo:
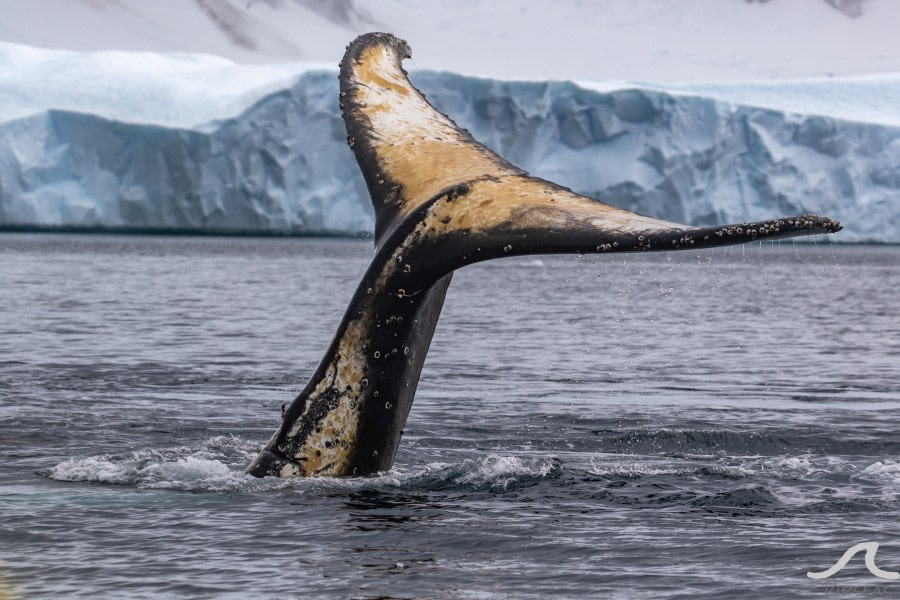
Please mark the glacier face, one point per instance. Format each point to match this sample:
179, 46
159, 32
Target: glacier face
687, 158
281, 166
279, 162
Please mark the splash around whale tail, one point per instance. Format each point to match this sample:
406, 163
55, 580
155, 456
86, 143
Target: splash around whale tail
442, 200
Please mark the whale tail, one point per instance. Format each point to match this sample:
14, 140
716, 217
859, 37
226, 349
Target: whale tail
442, 200
410, 153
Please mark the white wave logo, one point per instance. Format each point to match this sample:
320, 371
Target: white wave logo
871, 548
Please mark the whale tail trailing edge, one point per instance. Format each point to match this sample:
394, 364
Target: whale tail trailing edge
442, 200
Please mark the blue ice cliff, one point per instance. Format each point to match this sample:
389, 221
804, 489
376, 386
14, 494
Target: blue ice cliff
137, 141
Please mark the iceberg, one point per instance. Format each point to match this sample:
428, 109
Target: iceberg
131, 141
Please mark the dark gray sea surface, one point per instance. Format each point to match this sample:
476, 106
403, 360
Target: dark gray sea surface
703, 424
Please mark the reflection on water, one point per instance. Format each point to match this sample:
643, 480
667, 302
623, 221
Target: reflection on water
373, 510
7, 591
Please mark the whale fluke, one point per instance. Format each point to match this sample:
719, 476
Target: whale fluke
442, 200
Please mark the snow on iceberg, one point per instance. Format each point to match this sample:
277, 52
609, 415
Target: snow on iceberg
138, 141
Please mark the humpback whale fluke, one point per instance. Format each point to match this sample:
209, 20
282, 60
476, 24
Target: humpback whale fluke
442, 201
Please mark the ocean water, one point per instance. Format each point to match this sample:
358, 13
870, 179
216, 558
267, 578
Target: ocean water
700, 424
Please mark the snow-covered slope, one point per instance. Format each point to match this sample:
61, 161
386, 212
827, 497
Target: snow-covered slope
647, 40
196, 143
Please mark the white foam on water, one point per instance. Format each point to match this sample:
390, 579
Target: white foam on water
634, 468
217, 465
887, 471
101, 469
214, 465
503, 471
489, 473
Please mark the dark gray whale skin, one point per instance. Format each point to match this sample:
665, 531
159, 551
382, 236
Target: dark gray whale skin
442, 201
